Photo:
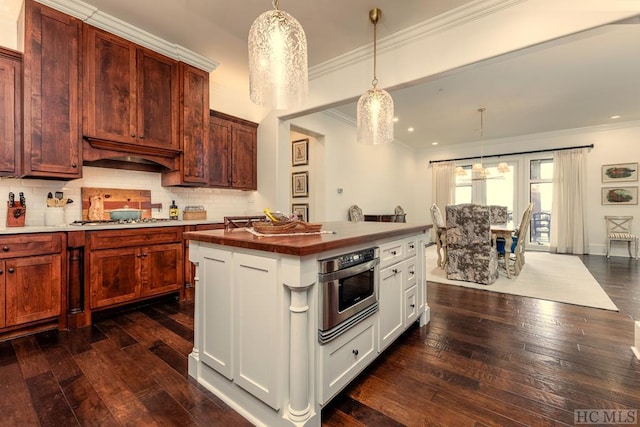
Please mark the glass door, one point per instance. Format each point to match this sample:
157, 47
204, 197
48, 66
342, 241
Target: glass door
541, 195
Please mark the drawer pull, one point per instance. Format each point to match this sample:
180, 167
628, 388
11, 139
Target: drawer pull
412, 246
412, 305
355, 352
412, 272
12, 270
393, 252
5, 248
395, 271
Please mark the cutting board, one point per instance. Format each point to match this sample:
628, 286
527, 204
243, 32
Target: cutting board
106, 199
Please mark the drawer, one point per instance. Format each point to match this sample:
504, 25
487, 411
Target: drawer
346, 356
122, 238
411, 306
391, 252
411, 272
30, 244
411, 246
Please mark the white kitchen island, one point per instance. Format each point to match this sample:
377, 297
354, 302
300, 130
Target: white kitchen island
256, 315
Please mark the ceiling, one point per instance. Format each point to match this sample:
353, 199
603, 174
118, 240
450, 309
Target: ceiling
573, 82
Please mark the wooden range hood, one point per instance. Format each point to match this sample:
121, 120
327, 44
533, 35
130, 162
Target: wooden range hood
118, 155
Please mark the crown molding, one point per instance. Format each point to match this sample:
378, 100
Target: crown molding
452, 18
99, 19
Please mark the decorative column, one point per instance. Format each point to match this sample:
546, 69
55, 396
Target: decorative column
299, 406
194, 356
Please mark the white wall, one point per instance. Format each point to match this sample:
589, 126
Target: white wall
611, 145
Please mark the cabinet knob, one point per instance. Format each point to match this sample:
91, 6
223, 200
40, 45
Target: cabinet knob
412, 305
12, 270
393, 252
1, 271
133, 135
411, 246
355, 352
138, 255
395, 271
5, 248
412, 272
144, 255
141, 136
74, 165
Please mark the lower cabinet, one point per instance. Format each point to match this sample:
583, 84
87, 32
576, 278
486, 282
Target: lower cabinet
392, 301
126, 265
31, 279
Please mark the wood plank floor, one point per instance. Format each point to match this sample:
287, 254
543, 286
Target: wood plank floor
485, 359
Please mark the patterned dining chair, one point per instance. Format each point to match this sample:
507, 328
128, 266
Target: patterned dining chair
355, 214
499, 214
470, 255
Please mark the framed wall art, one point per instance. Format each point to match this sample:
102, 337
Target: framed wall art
620, 195
300, 184
620, 172
301, 210
300, 152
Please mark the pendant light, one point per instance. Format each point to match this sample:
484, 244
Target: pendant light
375, 107
278, 70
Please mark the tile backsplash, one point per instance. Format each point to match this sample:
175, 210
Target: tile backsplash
217, 202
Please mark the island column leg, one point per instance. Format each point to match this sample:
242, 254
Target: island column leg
194, 356
299, 404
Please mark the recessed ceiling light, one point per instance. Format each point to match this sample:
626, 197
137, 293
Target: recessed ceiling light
434, 143
395, 119
410, 129
614, 117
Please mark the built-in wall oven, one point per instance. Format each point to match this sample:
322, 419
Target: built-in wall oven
348, 291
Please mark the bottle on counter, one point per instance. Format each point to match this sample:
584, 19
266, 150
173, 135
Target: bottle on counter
173, 210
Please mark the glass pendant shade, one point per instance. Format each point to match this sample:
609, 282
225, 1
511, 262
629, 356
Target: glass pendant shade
460, 171
278, 70
477, 167
375, 117
503, 167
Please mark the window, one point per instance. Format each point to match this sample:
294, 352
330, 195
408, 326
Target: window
463, 186
541, 195
498, 187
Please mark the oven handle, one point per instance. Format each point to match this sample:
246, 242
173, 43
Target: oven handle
350, 271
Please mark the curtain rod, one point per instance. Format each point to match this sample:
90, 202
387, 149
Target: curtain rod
511, 154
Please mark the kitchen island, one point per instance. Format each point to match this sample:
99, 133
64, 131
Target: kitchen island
257, 315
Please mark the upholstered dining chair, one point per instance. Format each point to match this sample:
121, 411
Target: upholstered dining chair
499, 214
470, 255
355, 214
440, 230
515, 260
619, 228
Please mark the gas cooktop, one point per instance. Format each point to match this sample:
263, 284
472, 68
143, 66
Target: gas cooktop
124, 222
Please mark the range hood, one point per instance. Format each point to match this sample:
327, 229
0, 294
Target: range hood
117, 155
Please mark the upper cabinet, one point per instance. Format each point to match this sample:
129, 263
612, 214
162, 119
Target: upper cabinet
11, 111
131, 95
194, 129
233, 154
52, 118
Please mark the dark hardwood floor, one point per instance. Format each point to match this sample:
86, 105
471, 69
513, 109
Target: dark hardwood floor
485, 359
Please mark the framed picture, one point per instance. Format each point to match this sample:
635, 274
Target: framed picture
301, 210
300, 184
620, 195
620, 172
300, 152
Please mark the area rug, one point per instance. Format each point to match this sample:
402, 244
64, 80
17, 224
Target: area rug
553, 277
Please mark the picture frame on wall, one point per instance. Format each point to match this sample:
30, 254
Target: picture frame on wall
300, 152
620, 172
620, 195
300, 184
301, 210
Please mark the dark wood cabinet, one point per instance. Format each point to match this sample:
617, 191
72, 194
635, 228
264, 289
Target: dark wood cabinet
31, 279
233, 154
130, 93
52, 117
126, 265
194, 129
11, 113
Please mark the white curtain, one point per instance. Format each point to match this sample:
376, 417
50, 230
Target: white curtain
568, 211
444, 186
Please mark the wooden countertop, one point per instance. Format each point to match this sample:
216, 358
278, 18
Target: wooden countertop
345, 234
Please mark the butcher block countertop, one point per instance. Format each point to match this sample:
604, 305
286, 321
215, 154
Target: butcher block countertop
344, 234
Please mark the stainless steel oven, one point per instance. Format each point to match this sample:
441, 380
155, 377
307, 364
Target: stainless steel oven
348, 291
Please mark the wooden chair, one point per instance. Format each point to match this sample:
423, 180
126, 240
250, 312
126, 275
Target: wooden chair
440, 230
619, 229
516, 259
540, 225
231, 222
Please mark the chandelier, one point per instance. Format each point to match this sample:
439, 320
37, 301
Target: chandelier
375, 107
278, 71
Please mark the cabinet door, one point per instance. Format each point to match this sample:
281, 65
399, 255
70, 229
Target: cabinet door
391, 295
161, 268
3, 323
109, 87
33, 288
243, 157
220, 152
157, 100
10, 112
114, 276
52, 131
